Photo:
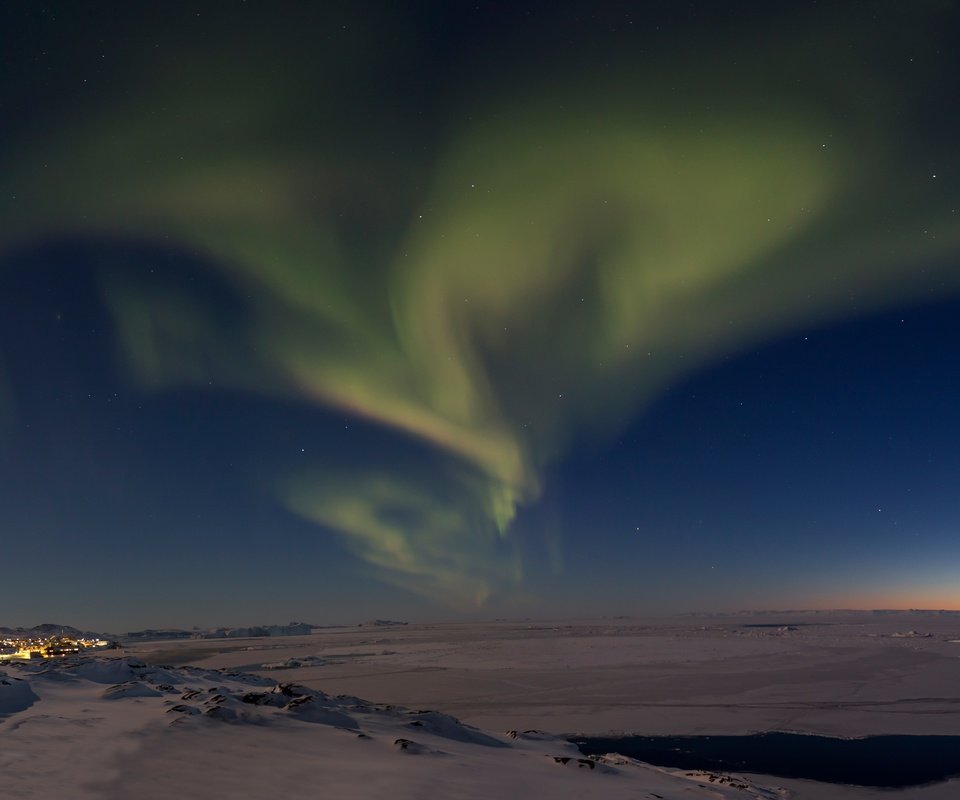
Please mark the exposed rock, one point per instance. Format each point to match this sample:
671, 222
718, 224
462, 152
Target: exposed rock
130, 689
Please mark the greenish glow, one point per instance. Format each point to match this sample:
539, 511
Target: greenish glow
422, 534
566, 254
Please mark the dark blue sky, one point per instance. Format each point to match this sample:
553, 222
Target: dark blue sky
818, 470
436, 310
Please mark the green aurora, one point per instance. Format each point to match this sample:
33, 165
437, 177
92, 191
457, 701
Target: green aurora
526, 264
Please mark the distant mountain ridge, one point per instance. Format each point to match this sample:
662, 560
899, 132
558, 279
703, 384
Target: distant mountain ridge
253, 631
48, 630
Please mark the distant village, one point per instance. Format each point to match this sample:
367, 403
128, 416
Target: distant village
55, 646
53, 641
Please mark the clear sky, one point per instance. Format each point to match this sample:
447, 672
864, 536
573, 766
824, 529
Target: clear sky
477, 309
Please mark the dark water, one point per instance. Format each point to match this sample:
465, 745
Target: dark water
882, 761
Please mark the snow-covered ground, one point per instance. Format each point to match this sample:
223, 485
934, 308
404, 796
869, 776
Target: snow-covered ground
123, 728
96, 728
837, 675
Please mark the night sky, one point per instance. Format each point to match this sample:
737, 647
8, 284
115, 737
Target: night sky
433, 310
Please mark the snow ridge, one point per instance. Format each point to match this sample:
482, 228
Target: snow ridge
119, 727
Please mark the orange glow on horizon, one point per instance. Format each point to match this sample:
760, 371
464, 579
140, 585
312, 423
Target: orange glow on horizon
925, 599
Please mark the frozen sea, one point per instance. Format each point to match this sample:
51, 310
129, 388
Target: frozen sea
126, 727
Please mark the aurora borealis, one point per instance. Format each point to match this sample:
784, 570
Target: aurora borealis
316, 308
